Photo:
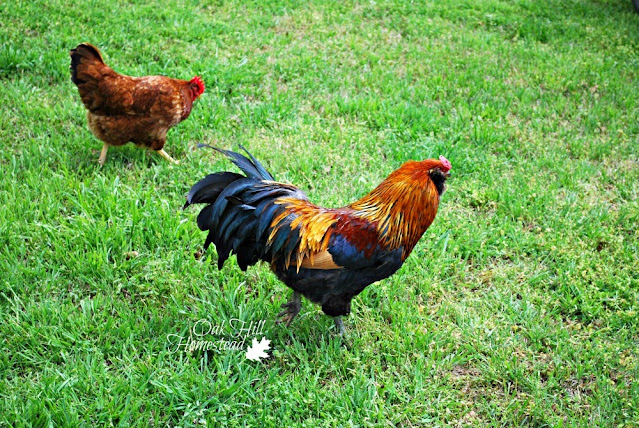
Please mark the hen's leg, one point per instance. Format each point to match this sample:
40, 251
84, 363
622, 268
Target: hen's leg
293, 307
166, 156
103, 153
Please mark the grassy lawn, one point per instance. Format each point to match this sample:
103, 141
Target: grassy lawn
519, 306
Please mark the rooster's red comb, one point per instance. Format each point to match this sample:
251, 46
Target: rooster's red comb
200, 84
445, 163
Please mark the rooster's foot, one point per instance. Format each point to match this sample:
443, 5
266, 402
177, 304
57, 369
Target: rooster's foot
339, 325
293, 307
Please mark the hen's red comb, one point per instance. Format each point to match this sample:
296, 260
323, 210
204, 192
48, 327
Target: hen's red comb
445, 163
200, 84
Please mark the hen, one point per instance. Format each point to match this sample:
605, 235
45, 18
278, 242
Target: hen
326, 255
124, 109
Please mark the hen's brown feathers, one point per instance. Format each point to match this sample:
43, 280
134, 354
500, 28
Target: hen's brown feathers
125, 109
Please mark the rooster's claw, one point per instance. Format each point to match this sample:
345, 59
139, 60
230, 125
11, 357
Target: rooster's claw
292, 307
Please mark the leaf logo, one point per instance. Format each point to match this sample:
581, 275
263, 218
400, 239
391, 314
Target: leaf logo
257, 350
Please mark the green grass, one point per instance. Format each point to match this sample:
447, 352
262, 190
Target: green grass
518, 307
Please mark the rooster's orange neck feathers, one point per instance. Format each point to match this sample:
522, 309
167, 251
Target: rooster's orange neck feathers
395, 214
403, 205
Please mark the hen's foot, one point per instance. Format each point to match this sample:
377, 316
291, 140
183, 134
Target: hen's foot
103, 153
166, 156
292, 308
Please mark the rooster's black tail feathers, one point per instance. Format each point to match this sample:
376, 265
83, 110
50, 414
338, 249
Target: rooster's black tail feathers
251, 167
241, 209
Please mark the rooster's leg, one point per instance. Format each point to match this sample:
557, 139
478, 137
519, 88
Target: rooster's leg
339, 325
293, 307
166, 156
103, 153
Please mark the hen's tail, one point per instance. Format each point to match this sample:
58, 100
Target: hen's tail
241, 210
84, 58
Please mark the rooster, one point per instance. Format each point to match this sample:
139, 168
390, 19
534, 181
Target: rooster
326, 255
124, 109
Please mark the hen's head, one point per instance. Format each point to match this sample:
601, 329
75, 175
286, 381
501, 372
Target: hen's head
197, 86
